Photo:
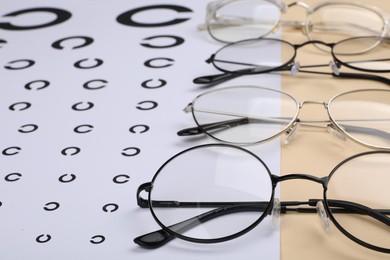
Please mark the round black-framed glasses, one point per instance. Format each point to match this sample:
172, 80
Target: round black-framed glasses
217, 192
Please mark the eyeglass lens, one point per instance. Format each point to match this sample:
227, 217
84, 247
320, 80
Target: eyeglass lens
364, 116
204, 179
333, 22
244, 115
329, 22
360, 181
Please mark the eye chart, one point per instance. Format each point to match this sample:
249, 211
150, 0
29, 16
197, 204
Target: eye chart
91, 99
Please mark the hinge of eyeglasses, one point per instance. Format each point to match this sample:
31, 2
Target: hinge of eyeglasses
188, 108
209, 60
143, 203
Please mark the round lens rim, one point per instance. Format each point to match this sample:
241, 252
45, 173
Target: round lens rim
281, 6
378, 11
220, 239
340, 128
283, 66
289, 125
335, 56
333, 219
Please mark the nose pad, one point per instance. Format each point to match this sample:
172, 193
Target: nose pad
275, 213
323, 216
336, 133
334, 67
295, 68
291, 132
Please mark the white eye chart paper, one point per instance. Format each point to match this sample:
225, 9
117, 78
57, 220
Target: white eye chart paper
91, 98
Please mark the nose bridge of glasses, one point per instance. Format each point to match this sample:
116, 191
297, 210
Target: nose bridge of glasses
301, 176
315, 102
334, 131
333, 64
301, 4
314, 42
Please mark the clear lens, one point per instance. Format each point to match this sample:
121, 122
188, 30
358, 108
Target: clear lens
373, 53
337, 21
364, 115
362, 181
217, 191
253, 56
243, 19
244, 115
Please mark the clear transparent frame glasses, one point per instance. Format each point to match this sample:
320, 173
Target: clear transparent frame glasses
331, 21
204, 195
256, 56
246, 115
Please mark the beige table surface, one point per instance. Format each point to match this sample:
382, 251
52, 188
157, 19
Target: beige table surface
316, 153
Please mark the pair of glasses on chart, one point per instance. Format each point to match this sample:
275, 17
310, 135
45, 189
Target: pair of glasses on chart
246, 115
255, 56
330, 21
217, 192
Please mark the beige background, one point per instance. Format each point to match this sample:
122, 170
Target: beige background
317, 153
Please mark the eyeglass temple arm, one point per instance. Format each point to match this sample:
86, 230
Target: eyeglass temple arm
222, 125
160, 237
373, 77
366, 130
221, 22
213, 126
213, 80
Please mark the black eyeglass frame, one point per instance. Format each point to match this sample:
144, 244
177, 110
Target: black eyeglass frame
158, 238
288, 65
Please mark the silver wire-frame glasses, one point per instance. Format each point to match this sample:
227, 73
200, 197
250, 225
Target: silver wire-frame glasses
246, 115
329, 21
217, 192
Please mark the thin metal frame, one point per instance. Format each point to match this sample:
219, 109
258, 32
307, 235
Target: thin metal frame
213, 7
332, 123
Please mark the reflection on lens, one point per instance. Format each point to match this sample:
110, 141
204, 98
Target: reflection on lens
244, 115
239, 20
361, 181
373, 53
253, 56
214, 191
333, 22
364, 115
